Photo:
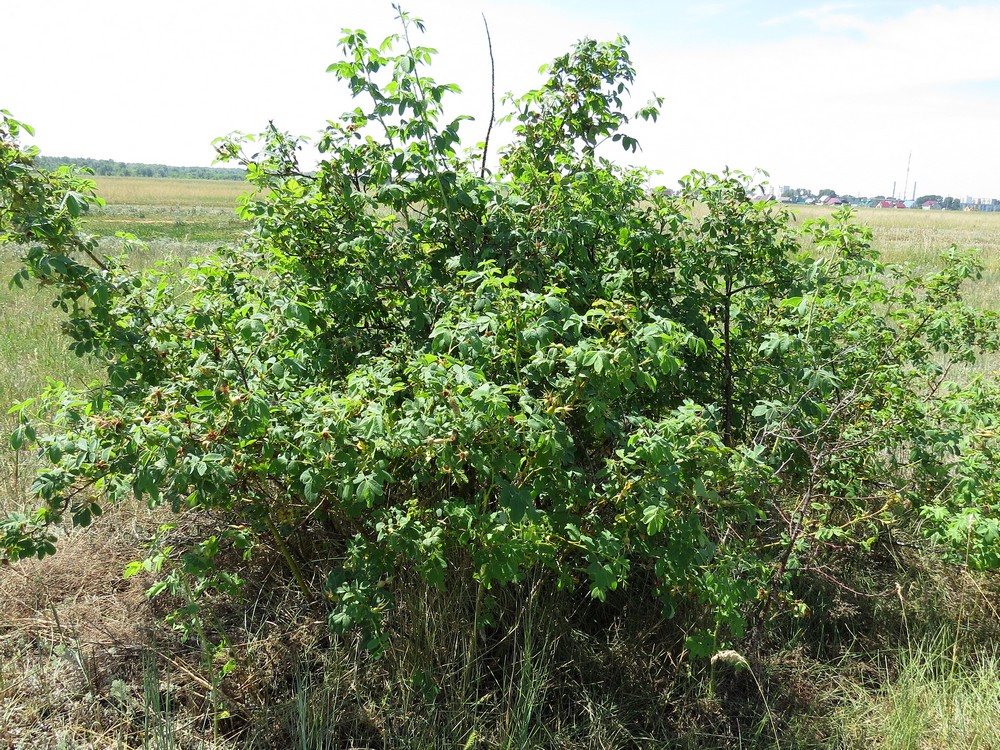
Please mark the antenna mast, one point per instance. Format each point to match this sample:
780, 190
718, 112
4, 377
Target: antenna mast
907, 180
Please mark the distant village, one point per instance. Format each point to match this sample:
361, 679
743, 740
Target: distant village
828, 197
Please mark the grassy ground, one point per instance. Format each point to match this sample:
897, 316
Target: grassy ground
86, 663
80, 664
936, 696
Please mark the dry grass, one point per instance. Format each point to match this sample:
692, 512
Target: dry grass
71, 625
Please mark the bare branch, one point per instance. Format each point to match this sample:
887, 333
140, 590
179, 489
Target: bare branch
493, 99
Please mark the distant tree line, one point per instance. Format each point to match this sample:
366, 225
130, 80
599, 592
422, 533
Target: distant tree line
109, 167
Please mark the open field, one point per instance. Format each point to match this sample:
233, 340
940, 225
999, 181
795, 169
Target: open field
176, 218
184, 218
81, 649
918, 237
182, 210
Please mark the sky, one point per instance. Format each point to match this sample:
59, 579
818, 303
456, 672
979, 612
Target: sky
839, 95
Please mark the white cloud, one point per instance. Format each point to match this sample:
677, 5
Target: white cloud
827, 17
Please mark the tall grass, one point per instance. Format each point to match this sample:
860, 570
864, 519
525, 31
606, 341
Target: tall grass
158, 715
32, 347
316, 713
937, 697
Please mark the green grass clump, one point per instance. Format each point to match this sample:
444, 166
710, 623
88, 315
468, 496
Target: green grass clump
937, 697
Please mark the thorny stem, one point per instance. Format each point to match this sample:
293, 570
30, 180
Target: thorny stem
289, 560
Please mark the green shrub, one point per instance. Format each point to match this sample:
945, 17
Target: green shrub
419, 365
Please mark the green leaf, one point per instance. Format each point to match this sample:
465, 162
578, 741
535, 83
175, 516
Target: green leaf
701, 645
653, 516
602, 579
517, 501
17, 438
133, 568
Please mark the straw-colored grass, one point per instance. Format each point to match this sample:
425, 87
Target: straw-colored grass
919, 237
154, 208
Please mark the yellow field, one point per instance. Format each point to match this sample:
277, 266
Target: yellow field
154, 208
153, 191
